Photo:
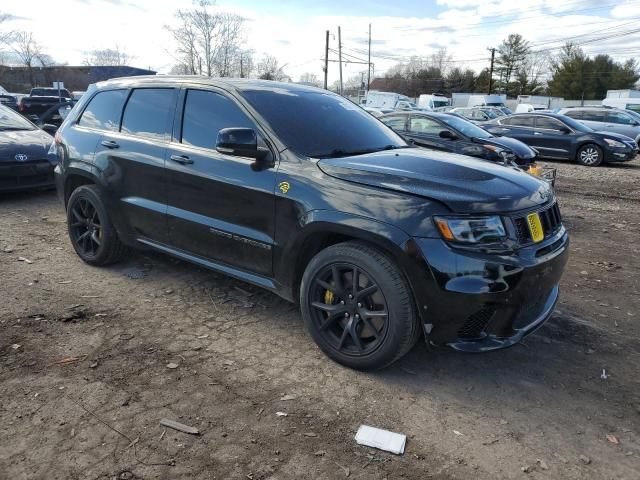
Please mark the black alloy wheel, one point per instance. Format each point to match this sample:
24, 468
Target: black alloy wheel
357, 306
91, 232
86, 227
349, 309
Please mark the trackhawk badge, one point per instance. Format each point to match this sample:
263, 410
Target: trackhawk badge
21, 157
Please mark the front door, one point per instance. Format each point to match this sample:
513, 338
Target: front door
425, 132
221, 207
552, 138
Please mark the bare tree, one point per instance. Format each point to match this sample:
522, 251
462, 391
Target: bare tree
114, 57
270, 69
441, 60
310, 78
27, 51
208, 42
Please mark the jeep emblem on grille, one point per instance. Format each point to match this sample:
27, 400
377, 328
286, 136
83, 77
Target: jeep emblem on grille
21, 157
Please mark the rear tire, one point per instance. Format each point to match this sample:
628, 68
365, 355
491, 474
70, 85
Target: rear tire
589, 155
365, 327
91, 232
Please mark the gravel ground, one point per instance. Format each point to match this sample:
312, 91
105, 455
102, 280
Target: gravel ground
86, 377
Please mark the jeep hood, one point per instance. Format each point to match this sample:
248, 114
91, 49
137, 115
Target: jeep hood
464, 184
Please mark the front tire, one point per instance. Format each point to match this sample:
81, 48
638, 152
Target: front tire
589, 155
357, 306
92, 234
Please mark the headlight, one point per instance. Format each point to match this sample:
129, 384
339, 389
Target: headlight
614, 143
471, 229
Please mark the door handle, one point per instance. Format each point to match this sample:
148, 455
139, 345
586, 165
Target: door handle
109, 144
537, 133
182, 159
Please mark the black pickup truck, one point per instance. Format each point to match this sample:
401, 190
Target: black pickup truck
42, 99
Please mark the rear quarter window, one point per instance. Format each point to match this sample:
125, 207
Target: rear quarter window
104, 110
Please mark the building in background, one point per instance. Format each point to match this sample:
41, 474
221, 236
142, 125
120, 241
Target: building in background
19, 79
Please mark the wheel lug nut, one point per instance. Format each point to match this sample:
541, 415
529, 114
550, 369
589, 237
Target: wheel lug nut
350, 296
341, 302
359, 305
357, 316
346, 315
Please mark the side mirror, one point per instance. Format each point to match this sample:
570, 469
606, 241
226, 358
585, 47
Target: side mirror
240, 142
447, 134
49, 128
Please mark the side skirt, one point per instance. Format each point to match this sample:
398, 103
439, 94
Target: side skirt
254, 279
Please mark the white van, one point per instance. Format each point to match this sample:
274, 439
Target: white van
431, 102
628, 103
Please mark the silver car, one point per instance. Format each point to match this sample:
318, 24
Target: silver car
606, 119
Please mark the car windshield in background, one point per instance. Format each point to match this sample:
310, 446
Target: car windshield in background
10, 120
577, 125
437, 104
490, 113
465, 127
319, 124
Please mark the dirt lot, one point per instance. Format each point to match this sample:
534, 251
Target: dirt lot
85, 378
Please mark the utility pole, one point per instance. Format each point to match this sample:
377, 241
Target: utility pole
326, 59
493, 54
340, 56
241, 71
369, 61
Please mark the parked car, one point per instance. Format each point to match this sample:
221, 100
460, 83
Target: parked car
41, 99
557, 136
451, 133
476, 114
606, 119
24, 159
7, 99
376, 112
300, 191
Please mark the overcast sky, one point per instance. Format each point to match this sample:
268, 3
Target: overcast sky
294, 31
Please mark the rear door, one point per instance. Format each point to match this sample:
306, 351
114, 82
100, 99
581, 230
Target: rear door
551, 138
221, 207
101, 115
133, 161
516, 126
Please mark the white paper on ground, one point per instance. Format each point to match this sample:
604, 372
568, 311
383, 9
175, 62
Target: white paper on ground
382, 439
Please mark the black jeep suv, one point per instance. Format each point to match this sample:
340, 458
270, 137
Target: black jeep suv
299, 191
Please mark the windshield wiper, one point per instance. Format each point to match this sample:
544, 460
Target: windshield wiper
337, 153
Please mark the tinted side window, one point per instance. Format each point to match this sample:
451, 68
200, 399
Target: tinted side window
147, 112
424, 126
397, 123
619, 118
548, 123
594, 115
104, 110
519, 121
205, 114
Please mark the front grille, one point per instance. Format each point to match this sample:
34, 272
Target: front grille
475, 324
550, 219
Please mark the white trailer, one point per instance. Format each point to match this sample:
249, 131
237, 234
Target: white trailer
541, 101
623, 93
487, 100
460, 99
388, 101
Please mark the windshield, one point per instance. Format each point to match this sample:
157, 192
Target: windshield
321, 124
10, 120
490, 113
581, 127
440, 103
465, 127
